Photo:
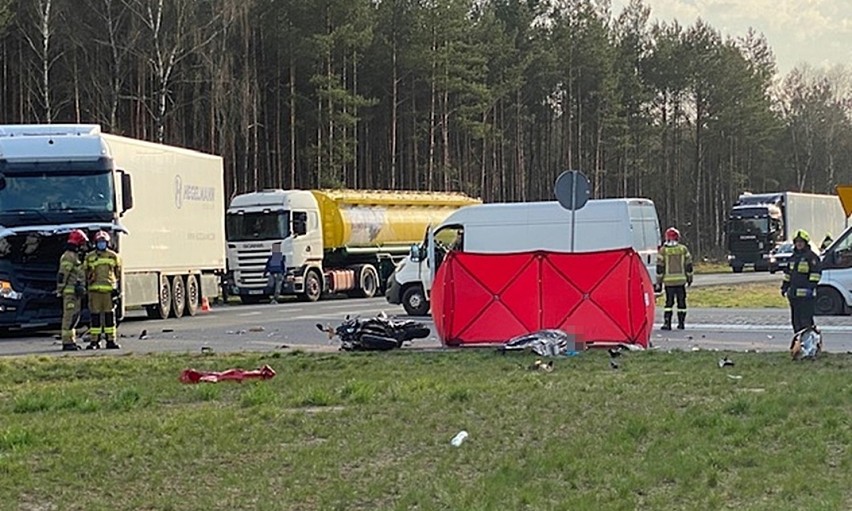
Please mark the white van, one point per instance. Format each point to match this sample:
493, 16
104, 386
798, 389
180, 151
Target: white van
604, 224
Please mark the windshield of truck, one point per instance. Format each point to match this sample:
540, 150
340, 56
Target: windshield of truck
45, 193
271, 225
749, 226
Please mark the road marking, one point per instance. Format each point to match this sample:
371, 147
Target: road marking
244, 314
736, 328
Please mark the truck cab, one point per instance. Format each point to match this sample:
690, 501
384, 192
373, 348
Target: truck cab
256, 221
53, 179
755, 227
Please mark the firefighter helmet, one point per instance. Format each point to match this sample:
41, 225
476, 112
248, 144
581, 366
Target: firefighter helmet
672, 234
803, 235
77, 238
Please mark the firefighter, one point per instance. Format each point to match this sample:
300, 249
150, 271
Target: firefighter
826, 242
103, 268
800, 281
70, 286
674, 271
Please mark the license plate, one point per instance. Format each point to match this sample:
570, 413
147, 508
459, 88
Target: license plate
256, 292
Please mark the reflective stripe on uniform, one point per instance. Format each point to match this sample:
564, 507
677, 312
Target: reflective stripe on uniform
668, 309
786, 277
100, 262
803, 267
109, 330
96, 330
814, 277
101, 288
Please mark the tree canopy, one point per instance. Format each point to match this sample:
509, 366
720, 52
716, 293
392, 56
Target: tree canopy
491, 97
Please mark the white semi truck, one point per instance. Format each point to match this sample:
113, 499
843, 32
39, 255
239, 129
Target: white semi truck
604, 224
335, 241
163, 206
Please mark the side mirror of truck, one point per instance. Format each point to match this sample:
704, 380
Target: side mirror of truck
126, 192
414, 254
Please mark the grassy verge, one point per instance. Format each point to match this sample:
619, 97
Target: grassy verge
666, 431
704, 267
763, 295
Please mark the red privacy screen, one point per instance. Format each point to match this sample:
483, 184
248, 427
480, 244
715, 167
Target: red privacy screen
490, 298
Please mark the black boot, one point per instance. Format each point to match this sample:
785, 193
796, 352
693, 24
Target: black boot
94, 344
667, 321
112, 345
681, 317
71, 346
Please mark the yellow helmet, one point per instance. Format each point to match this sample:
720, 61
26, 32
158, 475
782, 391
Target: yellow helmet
803, 235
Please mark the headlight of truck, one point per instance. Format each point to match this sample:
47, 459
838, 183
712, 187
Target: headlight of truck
7, 292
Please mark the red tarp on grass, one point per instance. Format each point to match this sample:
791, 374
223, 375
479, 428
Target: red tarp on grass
490, 298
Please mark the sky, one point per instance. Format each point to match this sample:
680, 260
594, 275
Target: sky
816, 32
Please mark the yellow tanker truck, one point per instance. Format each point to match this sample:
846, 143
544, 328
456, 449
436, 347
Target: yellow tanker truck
336, 241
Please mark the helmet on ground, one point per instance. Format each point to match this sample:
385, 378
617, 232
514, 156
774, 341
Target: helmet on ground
77, 238
803, 235
102, 236
672, 234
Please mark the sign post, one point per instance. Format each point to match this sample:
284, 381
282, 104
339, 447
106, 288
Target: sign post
572, 191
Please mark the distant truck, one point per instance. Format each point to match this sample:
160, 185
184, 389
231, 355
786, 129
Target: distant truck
168, 227
758, 223
335, 241
604, 224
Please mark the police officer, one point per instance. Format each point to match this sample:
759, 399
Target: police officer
70, 286
674, 271
800, 281
103, 268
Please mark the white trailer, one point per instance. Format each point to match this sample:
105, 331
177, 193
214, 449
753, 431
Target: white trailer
605, 224
163, 205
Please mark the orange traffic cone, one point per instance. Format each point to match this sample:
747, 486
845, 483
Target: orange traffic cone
205, 304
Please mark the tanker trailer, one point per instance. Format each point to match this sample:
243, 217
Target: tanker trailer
335, 241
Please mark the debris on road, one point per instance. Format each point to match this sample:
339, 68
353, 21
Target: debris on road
283, 347
238, 375
735, 377
257, 329
207, 350
168, 330
613, 363
614, 352
726, 362
143, 335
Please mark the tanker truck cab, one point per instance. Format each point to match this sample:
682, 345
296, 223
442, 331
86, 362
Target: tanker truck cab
335, 241
255, 222
604, 224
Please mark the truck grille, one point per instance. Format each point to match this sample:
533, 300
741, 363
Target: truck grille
251, 263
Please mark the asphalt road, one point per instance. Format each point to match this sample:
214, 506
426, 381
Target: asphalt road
235, 328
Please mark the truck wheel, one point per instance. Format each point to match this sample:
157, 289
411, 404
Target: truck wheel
414, 301
313, 287
828, 302
368, 281
178, 297
193, 295
162, 309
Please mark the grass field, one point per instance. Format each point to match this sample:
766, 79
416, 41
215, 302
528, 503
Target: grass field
666, 431
762, 295
712, 267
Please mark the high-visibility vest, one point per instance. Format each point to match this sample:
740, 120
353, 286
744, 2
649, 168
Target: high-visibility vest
102, 270
674, 264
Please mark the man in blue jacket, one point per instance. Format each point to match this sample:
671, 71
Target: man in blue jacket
276, 268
